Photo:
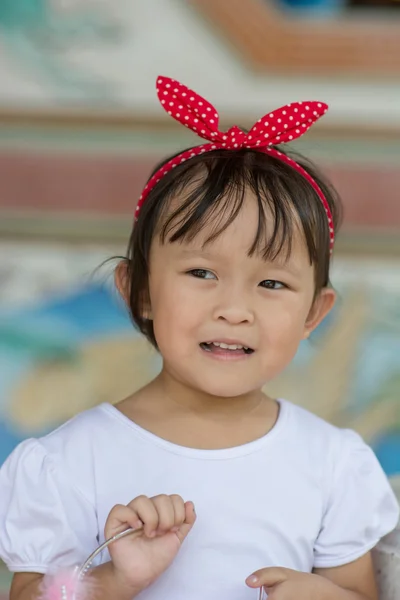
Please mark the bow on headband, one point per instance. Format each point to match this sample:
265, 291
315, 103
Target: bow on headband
280, 126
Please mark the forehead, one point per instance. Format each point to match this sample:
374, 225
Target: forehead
231, 229
219, 230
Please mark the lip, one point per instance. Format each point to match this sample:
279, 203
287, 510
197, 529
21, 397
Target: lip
227, 355
229, 341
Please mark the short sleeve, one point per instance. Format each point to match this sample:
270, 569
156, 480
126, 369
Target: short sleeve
361, 507
45, 522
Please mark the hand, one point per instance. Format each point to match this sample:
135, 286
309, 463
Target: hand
166, 521
285, 584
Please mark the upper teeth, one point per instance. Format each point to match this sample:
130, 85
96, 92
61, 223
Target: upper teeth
229, 346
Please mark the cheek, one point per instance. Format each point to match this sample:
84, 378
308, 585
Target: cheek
175, 307
282, 337
285, 321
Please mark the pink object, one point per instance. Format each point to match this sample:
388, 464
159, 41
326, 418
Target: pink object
277, 127
75, 583
66, 585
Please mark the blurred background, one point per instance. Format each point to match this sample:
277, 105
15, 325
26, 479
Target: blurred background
81, 128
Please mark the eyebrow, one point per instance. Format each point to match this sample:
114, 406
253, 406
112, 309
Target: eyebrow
292, 268
195, 253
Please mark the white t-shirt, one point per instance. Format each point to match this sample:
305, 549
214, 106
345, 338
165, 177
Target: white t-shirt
305, 495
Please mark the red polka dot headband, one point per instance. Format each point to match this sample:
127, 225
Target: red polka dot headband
280, 126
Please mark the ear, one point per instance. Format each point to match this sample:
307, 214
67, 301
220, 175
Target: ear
322, 305
123, 285
121, 280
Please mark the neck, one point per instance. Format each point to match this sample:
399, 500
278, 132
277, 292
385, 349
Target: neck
189, 417
186, 399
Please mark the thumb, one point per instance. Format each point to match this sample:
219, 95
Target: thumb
190, 519
268, 577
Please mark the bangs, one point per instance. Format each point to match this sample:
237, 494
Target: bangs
210, 191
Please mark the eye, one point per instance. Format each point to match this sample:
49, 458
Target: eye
271, 284
202, 274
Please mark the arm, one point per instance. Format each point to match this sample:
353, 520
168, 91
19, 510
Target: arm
354, 581
137, 561
26, 586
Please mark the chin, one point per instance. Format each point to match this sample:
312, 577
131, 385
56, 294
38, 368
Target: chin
221, 389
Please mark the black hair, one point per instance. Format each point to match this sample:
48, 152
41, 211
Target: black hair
212, 187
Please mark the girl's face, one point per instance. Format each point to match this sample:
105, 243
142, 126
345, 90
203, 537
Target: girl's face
204, 298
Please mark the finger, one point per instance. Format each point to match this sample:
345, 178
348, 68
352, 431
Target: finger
166, 512
179, 511
120, 518
147, 513
190, 519
268, 577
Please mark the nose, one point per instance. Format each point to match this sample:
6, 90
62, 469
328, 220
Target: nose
234, 308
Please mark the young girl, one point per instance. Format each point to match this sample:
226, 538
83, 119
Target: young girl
227, 271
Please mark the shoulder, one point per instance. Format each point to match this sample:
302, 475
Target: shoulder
51, 481
306, 424
81, 446
82, 431
321, 441
350, 475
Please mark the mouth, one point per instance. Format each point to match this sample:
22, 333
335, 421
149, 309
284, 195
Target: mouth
225, 349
